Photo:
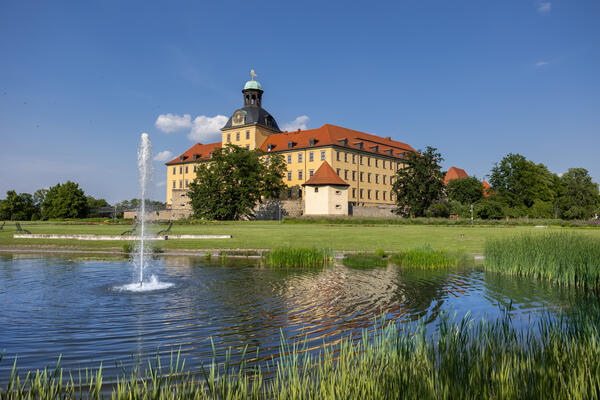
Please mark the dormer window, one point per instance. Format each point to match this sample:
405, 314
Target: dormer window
290, 145
196, 156
375, 148
389, 151
210, 155
359, 145
269, 147
181, 158
311, 141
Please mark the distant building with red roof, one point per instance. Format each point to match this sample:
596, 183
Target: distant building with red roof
454, 173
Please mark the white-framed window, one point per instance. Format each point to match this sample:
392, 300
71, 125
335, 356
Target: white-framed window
237, 136
316, 189
300, 174
289, 175
187, 184
345, 157
377, 195
180, 184
353, 175
369, 161
299, 157
311, 172
229, 138
289, 158
369, 194
247, 134
186, 169
346, 174
337, 155
311, 156
338, 171
369, 178
376, 178
353, 193
174, 170
180, 170
174, 184
384, 192
353, 158
376, 162
323, 155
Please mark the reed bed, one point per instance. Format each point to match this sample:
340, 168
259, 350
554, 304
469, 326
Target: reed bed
564, 258
298, 257
427, 257
365, 260
466, 359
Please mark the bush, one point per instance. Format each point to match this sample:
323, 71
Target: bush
438, 210
488, 209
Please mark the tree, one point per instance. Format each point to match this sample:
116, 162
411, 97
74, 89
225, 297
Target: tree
419, 184
65, 201
17, 207
488, 208
465, 190
520, 183
579, 197
230, 186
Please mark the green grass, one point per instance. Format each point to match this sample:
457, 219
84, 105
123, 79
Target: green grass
365, 260
259, 236
465, 359
426, 257
298, 257
565, 258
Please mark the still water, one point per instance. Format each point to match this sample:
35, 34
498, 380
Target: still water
74, 307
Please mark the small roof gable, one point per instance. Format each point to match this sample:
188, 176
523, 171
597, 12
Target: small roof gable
454, 173
325, 175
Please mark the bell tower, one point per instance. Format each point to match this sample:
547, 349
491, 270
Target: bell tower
252, 92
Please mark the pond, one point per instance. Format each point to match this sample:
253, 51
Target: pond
75, 307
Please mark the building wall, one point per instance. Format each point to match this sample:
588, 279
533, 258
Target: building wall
326, 200
179, 177
250, 137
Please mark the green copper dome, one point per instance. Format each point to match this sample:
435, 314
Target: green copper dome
253, 85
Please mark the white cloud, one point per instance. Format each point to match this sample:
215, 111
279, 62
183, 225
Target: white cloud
544, 7
163, 156
161, 183
541, 63
298, 123
172, 122
206, 129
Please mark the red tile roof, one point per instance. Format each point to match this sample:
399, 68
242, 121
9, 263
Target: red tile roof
336, 135
487, 192
198, 151
454, 173
325, 175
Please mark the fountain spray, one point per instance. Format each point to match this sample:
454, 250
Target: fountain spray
145, 172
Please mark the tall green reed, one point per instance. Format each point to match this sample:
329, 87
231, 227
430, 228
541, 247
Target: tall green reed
564, 258
427, 257
298, 257
554, 358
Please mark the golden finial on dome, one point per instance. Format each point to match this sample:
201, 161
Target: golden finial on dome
253, 74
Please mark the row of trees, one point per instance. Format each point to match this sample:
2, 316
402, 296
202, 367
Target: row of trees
65, 200
519, 187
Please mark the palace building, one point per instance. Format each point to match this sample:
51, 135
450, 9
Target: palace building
364, 162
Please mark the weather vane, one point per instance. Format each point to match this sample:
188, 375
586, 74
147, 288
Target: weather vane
252, 74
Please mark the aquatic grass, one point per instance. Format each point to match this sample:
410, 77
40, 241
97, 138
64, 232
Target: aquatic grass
298, 257
564, 258
427, 257
555, 358
364, 260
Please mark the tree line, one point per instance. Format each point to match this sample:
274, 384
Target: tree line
63, 200
519, 188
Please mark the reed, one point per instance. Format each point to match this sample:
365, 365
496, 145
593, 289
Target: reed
555, 358
427, 257
365, 260
298, 257
564, 258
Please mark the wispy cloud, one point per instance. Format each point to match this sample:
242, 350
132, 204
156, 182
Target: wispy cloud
169, 123
541, 63
163, 155
544, 7
207, 128
299, 123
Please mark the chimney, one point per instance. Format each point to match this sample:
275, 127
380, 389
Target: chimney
298, 131
388, 138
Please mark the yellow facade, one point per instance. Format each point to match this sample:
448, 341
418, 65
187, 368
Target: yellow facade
179, 176
370, 176
249, 137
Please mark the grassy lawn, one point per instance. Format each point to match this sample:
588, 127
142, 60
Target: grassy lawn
266, 235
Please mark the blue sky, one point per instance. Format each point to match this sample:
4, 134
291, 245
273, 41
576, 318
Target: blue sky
80, 81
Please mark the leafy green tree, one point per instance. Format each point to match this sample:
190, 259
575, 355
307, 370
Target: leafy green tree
579, 198
229, 187
519, 183
65, 201
419, 184
488, 208
465, 190
17, 207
